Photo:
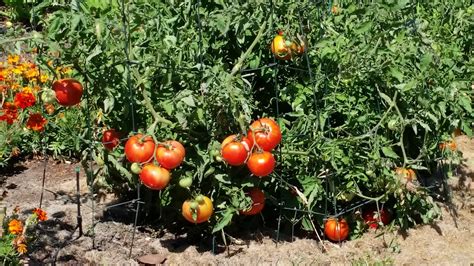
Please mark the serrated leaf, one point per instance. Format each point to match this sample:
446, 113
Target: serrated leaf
189, 101
224, 221
396, 74
465, 103
222, 178
387, 151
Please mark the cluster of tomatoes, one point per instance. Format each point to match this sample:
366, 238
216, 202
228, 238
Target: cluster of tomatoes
337, 229
254, 150
284, 49
153, 161
157, 160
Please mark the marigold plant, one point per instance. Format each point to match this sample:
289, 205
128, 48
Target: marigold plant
18, 233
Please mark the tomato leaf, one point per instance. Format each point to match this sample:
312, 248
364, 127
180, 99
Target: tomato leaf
224, 220
388, 151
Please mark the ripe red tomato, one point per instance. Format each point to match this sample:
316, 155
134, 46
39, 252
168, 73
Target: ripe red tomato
235, 152
155, 177
258, 202
336, 229
369, 217
202, 210
266, 133
110, 139
139, 149
68, 91
170, 154
261, 163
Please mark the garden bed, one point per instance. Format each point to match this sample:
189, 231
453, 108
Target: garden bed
443, 242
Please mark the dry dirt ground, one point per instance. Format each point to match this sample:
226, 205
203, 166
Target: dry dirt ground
449, 241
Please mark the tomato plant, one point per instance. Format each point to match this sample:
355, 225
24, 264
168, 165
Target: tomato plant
381, 85
155, 177
139, 148
336, 229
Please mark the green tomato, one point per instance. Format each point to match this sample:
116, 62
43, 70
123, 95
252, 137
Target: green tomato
370, 173
392, 124
48, 96
186, 182
136, 169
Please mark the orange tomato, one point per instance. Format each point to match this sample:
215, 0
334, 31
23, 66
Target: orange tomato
279, 48
407, 174
202, 212
449, 144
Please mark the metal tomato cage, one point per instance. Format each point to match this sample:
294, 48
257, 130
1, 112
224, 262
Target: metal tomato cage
329, 207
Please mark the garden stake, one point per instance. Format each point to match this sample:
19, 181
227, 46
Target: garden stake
78, 199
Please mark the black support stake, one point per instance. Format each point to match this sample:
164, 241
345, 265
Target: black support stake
78, 199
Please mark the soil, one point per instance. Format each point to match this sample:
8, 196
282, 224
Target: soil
449, 241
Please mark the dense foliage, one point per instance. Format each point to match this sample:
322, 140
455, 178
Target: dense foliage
388, 82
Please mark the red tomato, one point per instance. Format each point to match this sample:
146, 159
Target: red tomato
203, 210
155, 177
139, 149
336, 229
370, 214
235, 152
266, 133
170, 154
110, 139
258, 202
68, 91
261, 163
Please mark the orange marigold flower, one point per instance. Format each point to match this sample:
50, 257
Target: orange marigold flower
24, 99
32, 73
13, 59
21, 248
15, 86
10, 113
36, 122
42, 216
15, 227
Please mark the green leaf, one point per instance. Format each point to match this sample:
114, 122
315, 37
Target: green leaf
387, 151
465, 102
224, 221
396, 74
225, 179
189, 101
386, 98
